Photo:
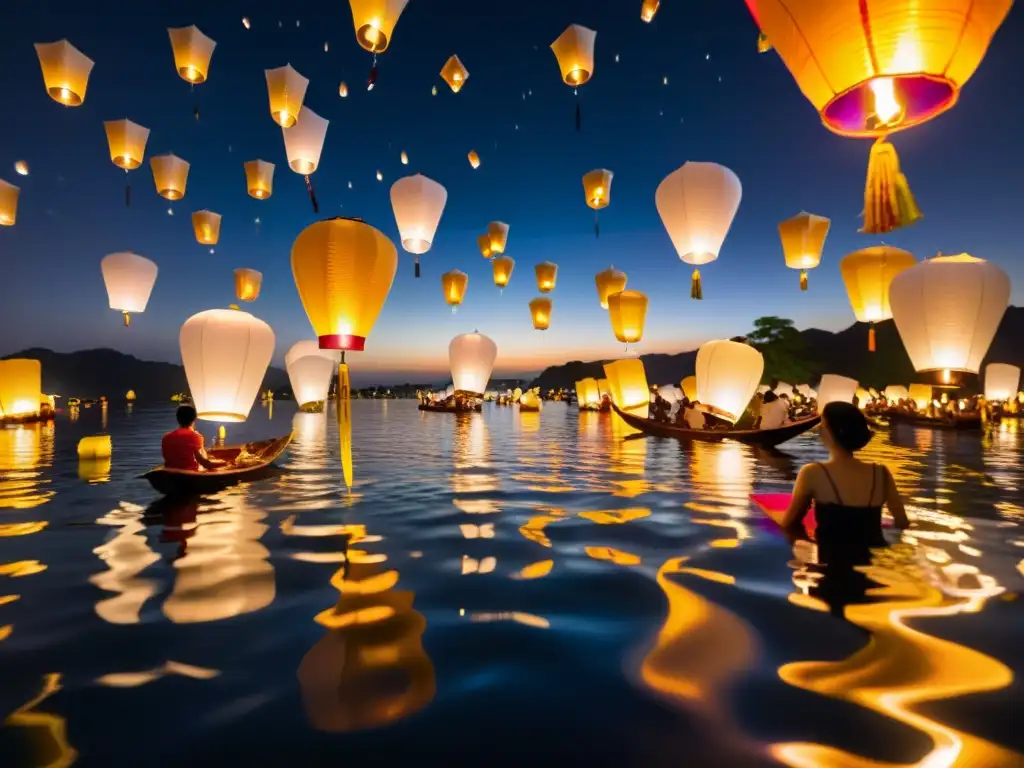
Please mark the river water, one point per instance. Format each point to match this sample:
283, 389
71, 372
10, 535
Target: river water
497, 588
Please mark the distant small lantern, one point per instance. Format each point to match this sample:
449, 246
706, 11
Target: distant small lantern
287, 91
259, 178
404, 158
497, 231
454, 73
65, 72
454, 285
8, 203
803, 240
247, 284
129, 279
474, 159
303, 144
343, 90
648, 9
628, 312
540, 313
502, 266
418, 203
21, 168
170, 173
484, 242
597, 188
609, 281
207, 227
574, 50
547, 275
192, 53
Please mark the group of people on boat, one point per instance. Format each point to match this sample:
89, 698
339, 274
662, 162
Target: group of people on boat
972, 408
767, 410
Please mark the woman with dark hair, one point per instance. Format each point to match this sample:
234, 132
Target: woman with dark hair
848, 494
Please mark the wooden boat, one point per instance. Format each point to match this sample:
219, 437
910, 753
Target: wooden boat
766, 438
256, 461
959, 423
437, 408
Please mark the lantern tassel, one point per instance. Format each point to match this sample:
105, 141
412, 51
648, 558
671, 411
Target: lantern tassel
803, 279
372, 79
871, 338
127, 319
312, 195
417, 266
763, 43
696, 290
888, 202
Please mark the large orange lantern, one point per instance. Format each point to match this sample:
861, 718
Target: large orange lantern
540, 313
454, 285
374, 22
418, 203
65, 72
871, 68
867, 274
574, 50
547, 275
484, 243
8, 203
259, 178
497, 231
287, 91
609, 281
628, 312
127, 142
247, 284
597, 188
207, 227
502, 266
170, 173
454, 73
648, 8
803, 240
303, 144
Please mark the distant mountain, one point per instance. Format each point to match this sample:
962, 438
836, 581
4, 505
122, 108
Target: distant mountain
95, 372
845, 352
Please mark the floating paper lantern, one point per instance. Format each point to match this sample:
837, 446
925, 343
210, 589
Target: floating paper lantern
689, 387
454, 285
287, 91
404, 158
65, 72
21, 168
648, 8
529, 401
502, 266
225, 353
247, 284
608, 282
872, 72
454, 73
484, 243
627, 384
947, 311
728, 373
835, 389
471, 357
921, 394
474, 159
603, 388
192, 53
127, 141
896, 392
597, 190
497, 231
95, 447
130, 396
803, 239
628, 311
129, 279
21, 387
170, 173
574, 50
207, 227
1001, 381
343, 269
303, 144
343, 90
540, 313
310, 370
697, 204
418, 203
259, 178
374, 22
8, 203
547, 275
867, 274
587, 393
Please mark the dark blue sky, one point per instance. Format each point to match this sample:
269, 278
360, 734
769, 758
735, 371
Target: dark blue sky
723, 103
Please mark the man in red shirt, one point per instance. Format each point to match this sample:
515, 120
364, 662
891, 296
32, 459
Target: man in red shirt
183, 448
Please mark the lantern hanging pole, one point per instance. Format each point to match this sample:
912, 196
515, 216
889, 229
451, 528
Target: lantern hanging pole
312, 194
195, 102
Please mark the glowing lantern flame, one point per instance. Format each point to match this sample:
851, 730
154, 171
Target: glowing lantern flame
207, 227
127, 141
574, 50
547, 275
648, 9
247, 284
497, 231
287, 90
65, 72
259, 179
454, 285
455, 74
540, 313
502, 267
374, 22
170, 174
192, 53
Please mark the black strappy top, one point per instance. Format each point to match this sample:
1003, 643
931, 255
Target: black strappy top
846, 534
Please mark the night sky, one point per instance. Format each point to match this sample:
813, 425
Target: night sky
723, 102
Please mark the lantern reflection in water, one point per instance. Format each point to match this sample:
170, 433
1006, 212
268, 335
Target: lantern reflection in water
126, 554
55, 727
722, 475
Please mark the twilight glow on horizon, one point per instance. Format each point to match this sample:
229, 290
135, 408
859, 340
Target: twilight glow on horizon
688, 86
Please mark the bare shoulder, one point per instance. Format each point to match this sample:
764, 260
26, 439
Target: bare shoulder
809, 474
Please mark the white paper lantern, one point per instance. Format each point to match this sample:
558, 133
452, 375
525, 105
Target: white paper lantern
225, 353
697, 203
784, 388
310, 370
471, 357
418, 203
728, 373
896, 392
304, 141
1001, 381
947, 311
129, 279
835, 388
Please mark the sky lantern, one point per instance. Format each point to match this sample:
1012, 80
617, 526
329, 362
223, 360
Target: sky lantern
129, 279
547, 275
872, 73
628, 312
21, 167
454, 285
947, 311
374, 21
127, 142
343, 90
247, 284
803, 240
587, 393
454, 73
303, 143
836, 389
574, 50
170, 173
471, 357
497, 231
484, 242
921, 394
502, 266
65, 72
418, 203
8, 203
310, 370
895, 392
540, 313
259, 178
627, 385
597, 187
225, 353
207, 227
287, 91
697, 204
689, 387
474, 159
609, 281
728, 373
404, 158
648, 8
1001, 381
21, 387
192, 53
867, 274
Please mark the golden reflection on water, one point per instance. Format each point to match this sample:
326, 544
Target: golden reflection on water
126, 555
722, 477
26, 453
49, 731
168, 668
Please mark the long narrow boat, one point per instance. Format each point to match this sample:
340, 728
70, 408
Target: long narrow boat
449, 409
766, 438
959, 423
256, 459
